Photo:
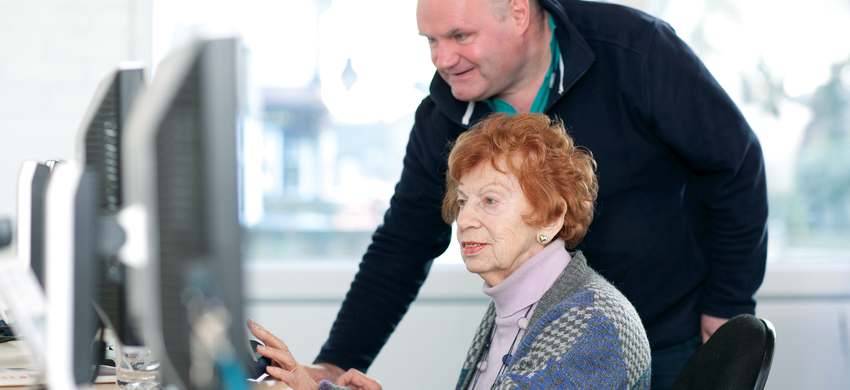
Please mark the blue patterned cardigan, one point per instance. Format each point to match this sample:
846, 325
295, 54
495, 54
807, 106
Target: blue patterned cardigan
585, 335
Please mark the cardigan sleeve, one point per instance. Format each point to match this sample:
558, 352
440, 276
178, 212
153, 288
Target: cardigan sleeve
326, 385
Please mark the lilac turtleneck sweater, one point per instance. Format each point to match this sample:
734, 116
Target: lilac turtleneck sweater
513, 297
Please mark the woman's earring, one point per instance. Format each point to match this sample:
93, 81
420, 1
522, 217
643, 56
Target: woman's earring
542, 239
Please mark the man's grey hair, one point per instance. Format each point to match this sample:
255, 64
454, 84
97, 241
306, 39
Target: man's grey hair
501, 7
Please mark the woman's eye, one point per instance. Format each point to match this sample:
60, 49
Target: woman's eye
461, 202
490, 201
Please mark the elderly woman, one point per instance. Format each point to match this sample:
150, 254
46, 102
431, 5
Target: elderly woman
521, 192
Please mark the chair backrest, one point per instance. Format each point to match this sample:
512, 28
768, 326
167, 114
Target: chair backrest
737, 356
770, 345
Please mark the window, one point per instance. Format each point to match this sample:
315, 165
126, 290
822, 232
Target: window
787, 66
333, 88
334, 85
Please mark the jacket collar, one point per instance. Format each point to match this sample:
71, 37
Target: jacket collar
577, 57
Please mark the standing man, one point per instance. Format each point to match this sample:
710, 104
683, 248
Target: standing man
681, 216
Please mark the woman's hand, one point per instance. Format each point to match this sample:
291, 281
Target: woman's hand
324, 371
284, 366
356, 380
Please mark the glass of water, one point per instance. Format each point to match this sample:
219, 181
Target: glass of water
137, 368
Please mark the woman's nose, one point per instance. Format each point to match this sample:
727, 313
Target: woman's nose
467, 218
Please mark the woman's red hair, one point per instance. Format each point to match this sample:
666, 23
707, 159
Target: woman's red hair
550, 169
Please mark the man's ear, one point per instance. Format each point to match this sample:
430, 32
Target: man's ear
520, 13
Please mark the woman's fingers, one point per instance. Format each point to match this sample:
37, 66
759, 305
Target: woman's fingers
265, 336
357, 380
285, 368
275, 349
283, 357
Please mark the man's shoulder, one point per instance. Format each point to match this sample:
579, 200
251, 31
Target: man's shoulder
612, 23
428, 114
432, 132
433, 120
426, 106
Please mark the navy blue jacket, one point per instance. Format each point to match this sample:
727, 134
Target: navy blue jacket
681, 216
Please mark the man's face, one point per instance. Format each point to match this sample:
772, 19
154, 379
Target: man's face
474, 51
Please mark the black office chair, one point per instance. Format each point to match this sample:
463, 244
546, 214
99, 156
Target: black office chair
737, 356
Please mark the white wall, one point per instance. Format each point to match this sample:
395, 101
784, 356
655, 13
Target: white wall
53, 54
809, 304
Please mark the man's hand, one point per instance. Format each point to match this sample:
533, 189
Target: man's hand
326, 371
356, 380
709, 324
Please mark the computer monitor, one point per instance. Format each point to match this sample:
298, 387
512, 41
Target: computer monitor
99, 148
5, 232
180, 174
32, 183
72, 249
84, 285
100, 134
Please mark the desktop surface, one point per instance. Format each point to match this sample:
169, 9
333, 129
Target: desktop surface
14, 354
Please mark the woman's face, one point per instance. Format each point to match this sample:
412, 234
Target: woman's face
493, 237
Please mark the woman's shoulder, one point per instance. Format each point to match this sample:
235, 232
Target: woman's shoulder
609, 304
596, 300
602, 306
588, 340
594, 327
579, 282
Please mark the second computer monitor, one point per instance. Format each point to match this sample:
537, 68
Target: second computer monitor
181, 170
32, 186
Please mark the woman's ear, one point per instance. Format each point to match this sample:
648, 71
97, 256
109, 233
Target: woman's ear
553, 226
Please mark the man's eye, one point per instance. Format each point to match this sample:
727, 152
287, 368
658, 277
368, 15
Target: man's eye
460, 37
490, 201
432, 41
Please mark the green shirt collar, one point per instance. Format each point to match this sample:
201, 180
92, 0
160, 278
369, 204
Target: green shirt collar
539, 105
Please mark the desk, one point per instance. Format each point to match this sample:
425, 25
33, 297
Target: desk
14, 354
270, 385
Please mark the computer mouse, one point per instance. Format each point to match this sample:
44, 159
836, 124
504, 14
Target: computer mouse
258, 363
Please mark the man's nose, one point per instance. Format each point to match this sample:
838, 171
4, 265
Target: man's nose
445, 55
